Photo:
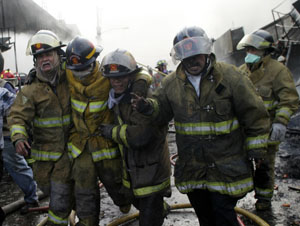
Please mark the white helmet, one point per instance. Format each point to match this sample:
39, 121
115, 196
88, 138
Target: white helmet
43, 41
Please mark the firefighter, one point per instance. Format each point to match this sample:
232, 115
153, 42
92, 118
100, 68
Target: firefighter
275, 85
93, 155
220, 124
42, 109
158, 77
144, 148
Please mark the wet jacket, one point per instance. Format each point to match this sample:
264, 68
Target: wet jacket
144, 147
89, 110
212, 150
45, 112
275, 85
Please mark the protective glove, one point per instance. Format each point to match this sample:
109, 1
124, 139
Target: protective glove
278, 132
141, 104
106, 130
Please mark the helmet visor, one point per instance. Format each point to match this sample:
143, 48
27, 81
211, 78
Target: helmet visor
254, 41
190, 47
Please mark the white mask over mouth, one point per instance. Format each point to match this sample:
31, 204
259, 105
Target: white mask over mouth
84, 73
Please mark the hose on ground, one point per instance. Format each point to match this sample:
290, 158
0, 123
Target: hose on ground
256, 219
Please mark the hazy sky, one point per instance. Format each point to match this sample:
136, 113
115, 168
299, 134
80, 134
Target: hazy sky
147, 28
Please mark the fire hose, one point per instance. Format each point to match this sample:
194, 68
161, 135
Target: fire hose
238, 210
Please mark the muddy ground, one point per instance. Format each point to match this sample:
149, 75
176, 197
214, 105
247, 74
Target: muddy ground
285, 206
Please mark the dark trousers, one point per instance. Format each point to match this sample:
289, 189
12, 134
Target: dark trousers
1, 164
151, 210
213, 209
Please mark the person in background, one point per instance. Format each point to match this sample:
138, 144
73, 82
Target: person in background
220, 124
144, 149
276, 87
92, 154
158, 77
16, 165
42, 109
6, 100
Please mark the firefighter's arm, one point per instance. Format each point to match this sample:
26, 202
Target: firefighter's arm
287, 96
252, 116
21, 117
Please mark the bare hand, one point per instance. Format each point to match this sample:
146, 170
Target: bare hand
135, 100
22, 147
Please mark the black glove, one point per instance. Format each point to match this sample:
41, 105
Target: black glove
106, 130
141, 104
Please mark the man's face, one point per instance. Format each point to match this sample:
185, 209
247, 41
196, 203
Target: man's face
119, 84
47, 61
195, 64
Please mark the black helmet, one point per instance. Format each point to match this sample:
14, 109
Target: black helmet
81, 53
190, 41
119, 63
43, 41
161, 63
259, 39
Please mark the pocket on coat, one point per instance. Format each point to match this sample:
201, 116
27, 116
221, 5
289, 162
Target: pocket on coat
223, 107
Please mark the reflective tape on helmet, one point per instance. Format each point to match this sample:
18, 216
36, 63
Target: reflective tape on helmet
207, 128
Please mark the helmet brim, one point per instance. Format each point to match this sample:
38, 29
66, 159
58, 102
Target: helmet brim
47, 50
121, 74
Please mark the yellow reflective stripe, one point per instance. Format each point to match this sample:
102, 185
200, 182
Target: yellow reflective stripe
126, 183
73, 150
105, 153
151, 189
284, 112
45, 155
56, 219
270, 104
91, 54
207, 128
78, 105
18, 129
66, 120
98, 106
30, 160
233, 189
51, 122
123, 135
264, 192
273, 142
257, 142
